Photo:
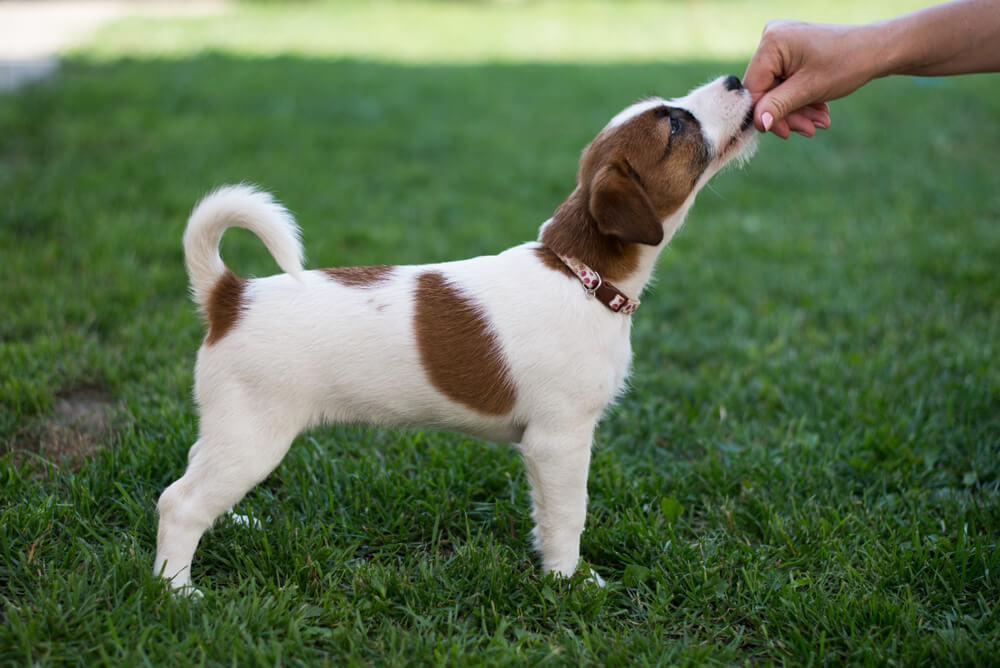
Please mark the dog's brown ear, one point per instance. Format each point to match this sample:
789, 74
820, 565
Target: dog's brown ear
621, 206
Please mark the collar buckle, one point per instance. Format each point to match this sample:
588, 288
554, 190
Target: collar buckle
596, 287
592, 291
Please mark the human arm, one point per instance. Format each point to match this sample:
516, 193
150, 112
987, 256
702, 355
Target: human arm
798, 67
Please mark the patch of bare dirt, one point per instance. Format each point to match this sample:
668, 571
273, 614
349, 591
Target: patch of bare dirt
78, 427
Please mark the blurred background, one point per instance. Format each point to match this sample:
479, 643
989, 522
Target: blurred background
414, 31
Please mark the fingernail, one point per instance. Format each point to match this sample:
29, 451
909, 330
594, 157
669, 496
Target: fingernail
767, 119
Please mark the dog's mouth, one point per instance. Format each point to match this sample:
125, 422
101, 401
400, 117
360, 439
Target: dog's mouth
740, 144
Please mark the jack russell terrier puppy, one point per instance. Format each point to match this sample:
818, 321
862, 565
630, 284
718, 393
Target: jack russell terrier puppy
529, 346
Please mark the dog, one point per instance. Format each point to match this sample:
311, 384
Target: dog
529, 346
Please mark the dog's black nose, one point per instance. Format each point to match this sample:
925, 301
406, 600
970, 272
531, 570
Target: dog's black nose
732, 83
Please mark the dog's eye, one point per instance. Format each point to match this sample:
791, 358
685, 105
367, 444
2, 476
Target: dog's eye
675, 123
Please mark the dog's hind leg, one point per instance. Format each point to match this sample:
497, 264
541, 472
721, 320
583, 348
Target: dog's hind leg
557, 461
223, 466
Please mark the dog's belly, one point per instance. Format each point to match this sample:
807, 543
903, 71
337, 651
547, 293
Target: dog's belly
409, 403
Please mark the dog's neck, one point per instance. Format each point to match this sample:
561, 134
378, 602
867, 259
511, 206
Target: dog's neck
573, 231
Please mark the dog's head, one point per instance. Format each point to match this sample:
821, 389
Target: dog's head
651, 158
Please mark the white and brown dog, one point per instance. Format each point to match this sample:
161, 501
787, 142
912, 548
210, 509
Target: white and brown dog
529, 346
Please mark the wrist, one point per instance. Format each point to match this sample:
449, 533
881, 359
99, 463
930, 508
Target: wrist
884, 46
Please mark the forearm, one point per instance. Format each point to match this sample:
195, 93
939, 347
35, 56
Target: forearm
960, 37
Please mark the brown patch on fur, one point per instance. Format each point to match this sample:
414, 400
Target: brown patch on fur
224, 306
573, 231
459, 353
548, 257
360, 277
631, 178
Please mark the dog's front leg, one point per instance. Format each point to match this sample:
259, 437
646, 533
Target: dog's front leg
557, 461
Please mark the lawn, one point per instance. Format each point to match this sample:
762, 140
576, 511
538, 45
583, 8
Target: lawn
806, 469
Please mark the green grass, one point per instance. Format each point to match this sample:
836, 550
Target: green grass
805, 470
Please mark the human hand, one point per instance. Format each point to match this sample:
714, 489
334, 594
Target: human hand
798, 67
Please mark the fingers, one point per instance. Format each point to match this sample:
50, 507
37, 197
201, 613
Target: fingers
798, 122
780, 128
773, 112
819, 117
804, 121
760, 76
767, 67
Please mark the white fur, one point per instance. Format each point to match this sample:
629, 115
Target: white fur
633, 110
308, 350
718, 110
237, 206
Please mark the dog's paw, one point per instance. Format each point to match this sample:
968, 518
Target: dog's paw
593, 578
244, 520
188, 591
181, 589
582, 574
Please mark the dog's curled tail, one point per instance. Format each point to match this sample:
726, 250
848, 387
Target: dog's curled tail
237, 206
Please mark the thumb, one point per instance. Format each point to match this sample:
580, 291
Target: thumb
778, 102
